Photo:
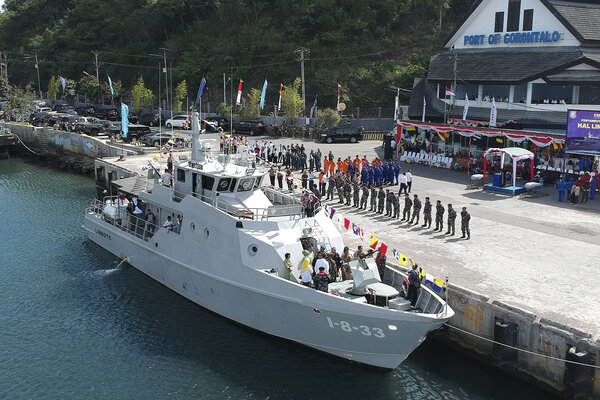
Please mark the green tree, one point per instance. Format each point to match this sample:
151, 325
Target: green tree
224, 110
142, 96
328, 117
89, 87
18, 100
180, 95
291, 101
53, 88
250, 108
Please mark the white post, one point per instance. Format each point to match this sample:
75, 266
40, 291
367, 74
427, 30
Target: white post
529, 92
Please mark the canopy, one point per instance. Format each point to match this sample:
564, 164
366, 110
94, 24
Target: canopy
516, 154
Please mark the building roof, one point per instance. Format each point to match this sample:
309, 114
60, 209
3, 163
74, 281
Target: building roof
574, 77
506, 66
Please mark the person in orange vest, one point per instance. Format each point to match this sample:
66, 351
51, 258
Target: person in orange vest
331, 168
357, 164
340, 166
326, 164
322, 183
365, 161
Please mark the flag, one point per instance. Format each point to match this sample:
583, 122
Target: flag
499, 139
449, 92
443, 135
557, 146
493, 114
465, 109
373, 242
124, 120
338, 97
312, 109
396, 100
424, 105
355, 228
262, 96
280, 90
402, 260
64, 84
112, 92
238, 101
331, 213
396, 254
383, 249
200, 90
346, 223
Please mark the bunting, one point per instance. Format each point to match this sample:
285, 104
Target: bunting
373, 242
443, 135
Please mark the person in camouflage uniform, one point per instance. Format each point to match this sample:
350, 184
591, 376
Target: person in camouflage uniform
330, 188
381, 201
340, 189
373, 199
388, 204
465, 217
356, 195
451, 220
395, 205
364, 198
407, 207
347, 191
439, 216
427, 214
416, 209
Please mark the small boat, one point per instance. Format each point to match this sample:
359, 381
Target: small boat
222, 246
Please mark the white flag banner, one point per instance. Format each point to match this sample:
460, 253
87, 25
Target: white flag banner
466, 108
493, 114
238, 101
424, 106
396, 109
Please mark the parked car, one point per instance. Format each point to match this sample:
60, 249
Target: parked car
109, 113
85, 110
158, 139
250, 127
111, 127
40, 118
90, 126
64, 108
57, 119
135, 132
178, 121
342, 134
150, 119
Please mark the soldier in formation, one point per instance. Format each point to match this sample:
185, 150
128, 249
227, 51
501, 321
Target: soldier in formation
395, 205
373, 199
356, 195
416, 209
364, 198
347, 192
381, 201
407, 207
439, 216
451, 220
388, 204
465, 217
427, 214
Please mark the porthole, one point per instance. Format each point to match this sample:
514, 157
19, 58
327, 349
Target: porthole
206, 233
192, 226
392, 327
252, 249
155, 244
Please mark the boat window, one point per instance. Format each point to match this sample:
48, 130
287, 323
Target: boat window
224, 184
257, 182
233, 182
246, 185
208, 182
180, 175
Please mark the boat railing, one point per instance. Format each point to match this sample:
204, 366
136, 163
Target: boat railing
427, 301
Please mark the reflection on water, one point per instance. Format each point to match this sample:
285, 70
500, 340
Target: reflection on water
76, 324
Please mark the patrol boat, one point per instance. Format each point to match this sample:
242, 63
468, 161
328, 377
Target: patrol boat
226, 252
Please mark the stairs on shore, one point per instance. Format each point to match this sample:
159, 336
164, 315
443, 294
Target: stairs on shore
43, 139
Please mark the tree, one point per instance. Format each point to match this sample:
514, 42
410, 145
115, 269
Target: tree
18, 100
224, 110
180, 95
89, 87
291, 101
53, 88
142, 96
250, 108
328, 117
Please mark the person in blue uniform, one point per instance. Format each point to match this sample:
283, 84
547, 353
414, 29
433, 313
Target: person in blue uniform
377, 176
561, 186
371, 176
396, 172
385, 170
569, 187
592, 188
351, 171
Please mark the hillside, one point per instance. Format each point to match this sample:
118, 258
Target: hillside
366, 46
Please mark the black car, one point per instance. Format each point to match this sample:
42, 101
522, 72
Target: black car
342, 134
250, 127
63, 108
109, 113
149, 119
135, 133
40, 118
85, 110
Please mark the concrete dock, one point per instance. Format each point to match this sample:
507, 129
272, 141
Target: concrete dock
527, 278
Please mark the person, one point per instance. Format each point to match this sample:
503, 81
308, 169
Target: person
355, 195
407, 206
304, 179
290, 180
322, 280
167, 178
364, 198
346, 258
307, 270
585, 188
347, 192
464, 223
388, 203
592, 188
321, 262
561, 186
427, 214
439, 216
575, 193
170, 162
177, 224
335, 263
279, 178
330, 187
416, 209
150, 223
168, 224
403, 184
414, 285
451, 219
272, 174
381, 201
287, 266
373, 199
358, 252
408, 180
380, 261
395, 205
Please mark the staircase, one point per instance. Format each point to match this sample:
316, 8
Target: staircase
319, 235
43, 139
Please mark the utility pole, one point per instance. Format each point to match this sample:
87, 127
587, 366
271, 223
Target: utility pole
166, 77
454, 85
4, 64
96, 53
303, 53
224, 95
37, 67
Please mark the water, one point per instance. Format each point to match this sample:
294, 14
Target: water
73, 325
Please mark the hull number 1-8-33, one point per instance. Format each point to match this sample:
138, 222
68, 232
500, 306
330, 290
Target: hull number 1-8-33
365, 330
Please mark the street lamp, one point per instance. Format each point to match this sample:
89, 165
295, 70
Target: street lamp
37, 67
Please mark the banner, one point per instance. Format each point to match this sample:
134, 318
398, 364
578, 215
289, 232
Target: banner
280, 90
124, 120
64, 84
200, 91
583, 132
312, 109
424, 106
112, 92
238, 101
338, 98
263, 95
493, 114
465, 109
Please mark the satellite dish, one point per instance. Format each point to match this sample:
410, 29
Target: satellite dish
342, 106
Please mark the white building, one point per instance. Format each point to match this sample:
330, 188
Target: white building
536, 58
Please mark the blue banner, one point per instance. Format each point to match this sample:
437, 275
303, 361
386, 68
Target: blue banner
112, 92
312, 109
583, 132
64, 84
262, 96
200, 91
124, 120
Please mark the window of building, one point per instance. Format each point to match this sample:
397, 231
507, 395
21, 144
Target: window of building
520, 95
470, 90
180, 175
513, 18
528, 20
497, 92
499, 24
589, 94
542, 93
